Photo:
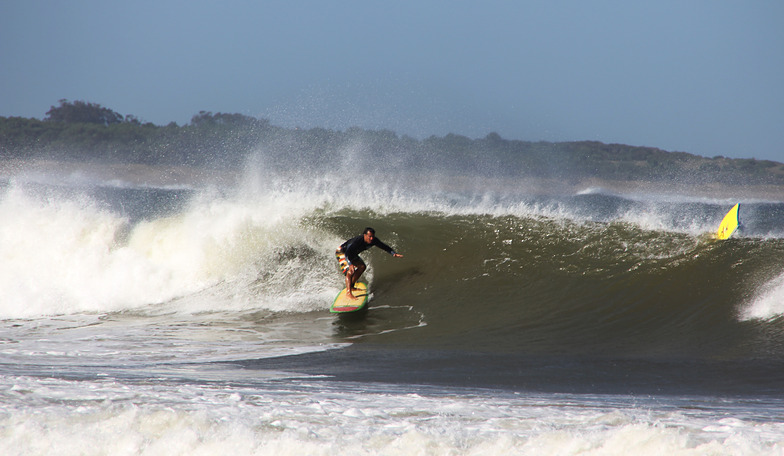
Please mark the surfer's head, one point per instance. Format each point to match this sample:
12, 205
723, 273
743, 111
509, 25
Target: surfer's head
369, 234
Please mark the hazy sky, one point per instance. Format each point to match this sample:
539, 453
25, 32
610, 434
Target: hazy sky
705, 77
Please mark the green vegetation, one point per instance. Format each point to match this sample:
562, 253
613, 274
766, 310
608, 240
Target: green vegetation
82, 131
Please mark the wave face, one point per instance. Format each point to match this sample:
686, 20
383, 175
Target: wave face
488, 265
546, 286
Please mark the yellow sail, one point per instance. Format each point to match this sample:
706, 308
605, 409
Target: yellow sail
729, 224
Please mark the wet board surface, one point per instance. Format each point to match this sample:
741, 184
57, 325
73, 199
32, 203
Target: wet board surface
344, 304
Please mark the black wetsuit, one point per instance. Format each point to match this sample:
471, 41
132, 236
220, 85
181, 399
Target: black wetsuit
354, 246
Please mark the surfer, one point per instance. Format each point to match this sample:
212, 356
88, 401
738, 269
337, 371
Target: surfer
351, 265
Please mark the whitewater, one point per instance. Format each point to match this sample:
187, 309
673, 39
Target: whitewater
185, 319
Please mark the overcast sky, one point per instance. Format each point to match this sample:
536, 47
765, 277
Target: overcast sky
705, 77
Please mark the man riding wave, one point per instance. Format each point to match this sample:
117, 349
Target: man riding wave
351, 265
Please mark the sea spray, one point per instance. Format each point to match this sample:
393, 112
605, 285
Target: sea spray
63, 254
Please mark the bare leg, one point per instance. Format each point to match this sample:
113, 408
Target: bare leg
352, 276
349, 285
358, 270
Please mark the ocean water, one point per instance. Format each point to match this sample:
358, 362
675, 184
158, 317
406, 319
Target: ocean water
149, 320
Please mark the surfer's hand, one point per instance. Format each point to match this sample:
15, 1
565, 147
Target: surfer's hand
397, 255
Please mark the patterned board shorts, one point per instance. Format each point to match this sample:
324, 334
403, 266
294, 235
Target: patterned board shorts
342, 261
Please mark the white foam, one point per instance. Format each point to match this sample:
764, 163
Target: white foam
61, 255
46, 416
768, 302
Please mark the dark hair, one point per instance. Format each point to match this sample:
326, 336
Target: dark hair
369, 230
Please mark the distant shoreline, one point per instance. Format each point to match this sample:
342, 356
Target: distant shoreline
174, 176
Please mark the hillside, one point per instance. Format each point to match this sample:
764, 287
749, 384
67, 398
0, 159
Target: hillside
82, 132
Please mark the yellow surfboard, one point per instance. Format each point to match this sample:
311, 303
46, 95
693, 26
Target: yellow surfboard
729, 224
344, 304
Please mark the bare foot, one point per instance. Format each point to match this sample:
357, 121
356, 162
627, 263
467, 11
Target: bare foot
350, 295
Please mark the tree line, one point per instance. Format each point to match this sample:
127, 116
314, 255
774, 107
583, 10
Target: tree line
90, 132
